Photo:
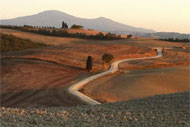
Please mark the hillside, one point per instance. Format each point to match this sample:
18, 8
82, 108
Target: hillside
13, 43
34, 84
44, 74
55, 18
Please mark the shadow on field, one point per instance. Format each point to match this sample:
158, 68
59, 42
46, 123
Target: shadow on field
39, 98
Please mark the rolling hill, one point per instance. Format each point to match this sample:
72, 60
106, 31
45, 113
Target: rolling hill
54, 18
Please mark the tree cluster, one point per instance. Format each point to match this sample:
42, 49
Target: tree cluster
64, 25
176, 40
74, 26
106, 58
129, 36
51, 31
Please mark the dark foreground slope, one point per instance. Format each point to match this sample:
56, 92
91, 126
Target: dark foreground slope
159, 111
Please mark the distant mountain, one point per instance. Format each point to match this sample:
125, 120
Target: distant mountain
55, 18
165, 35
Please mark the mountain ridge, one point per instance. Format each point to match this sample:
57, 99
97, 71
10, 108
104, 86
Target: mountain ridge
54, 18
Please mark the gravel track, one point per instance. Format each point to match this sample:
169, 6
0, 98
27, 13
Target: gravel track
170, 110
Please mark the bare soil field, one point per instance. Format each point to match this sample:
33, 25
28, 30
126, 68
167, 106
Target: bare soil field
139, 83
37, 83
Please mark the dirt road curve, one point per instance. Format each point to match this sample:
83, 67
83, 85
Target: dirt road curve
74, 89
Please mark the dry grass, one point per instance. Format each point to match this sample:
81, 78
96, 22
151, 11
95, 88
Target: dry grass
41, 38
84, 31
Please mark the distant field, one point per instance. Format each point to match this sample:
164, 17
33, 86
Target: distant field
172, 57
84, 31
40, 38
139, 42
138, 84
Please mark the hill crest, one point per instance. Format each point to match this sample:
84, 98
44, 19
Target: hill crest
54, 18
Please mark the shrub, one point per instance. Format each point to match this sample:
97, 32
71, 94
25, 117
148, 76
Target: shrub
107, 58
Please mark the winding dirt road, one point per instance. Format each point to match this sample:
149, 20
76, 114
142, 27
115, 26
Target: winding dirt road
74, 89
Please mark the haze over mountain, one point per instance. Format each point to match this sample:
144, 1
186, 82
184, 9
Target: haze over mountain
55, 18
165, 35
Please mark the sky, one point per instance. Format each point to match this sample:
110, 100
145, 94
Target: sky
160, 15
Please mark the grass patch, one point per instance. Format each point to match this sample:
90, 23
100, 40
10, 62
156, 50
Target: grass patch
13, 43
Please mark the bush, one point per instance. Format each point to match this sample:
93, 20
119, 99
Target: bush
107, 58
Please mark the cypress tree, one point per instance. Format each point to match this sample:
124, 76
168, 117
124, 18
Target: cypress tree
89, 63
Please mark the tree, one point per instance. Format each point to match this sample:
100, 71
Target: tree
89, 63
129, 36
107, 58
64, 25
100, 35
74, 26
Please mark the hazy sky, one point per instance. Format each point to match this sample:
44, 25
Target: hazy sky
160, 15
